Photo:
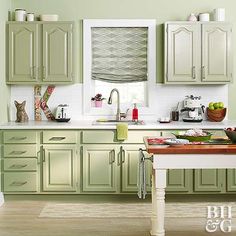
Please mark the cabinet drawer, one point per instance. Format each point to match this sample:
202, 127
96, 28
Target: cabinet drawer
20, 182
27, 150
110, 136
19, 137
22, 164
59, 137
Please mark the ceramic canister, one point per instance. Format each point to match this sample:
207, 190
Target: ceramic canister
30, 16
20, 14
204, 17
219, 14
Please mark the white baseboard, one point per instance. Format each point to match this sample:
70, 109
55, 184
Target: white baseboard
1, 198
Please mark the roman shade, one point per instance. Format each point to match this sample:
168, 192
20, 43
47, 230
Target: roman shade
119, 54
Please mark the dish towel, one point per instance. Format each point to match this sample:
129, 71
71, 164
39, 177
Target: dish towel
121, 131
141, 178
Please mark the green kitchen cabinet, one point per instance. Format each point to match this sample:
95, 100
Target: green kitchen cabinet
59, 168
198, 53
57, 53
216, 52
128, 160
182, 52
179, 181
231, 180
209, 180
99, 168
23, 53
40, 53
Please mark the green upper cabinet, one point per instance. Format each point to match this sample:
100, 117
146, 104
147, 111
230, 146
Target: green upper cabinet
57, 53
40, 53
182, 52
216, 52
198, 53
23, 53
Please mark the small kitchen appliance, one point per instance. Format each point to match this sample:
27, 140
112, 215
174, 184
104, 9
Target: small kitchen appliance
62, 113
193, 109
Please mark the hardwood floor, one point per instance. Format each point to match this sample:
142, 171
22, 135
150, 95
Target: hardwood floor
19, 216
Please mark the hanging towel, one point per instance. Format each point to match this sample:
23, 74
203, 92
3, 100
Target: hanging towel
141, 178
121, 131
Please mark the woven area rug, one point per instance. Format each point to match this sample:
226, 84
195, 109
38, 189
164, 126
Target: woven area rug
108, 210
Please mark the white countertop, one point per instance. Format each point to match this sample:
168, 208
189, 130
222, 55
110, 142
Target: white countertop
88, 125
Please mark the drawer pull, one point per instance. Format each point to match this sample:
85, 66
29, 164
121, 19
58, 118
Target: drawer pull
57, 138
17, 166
112, 156
17, 152
18, 183
18, 138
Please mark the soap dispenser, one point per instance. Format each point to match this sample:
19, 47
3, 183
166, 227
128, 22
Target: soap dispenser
135, 113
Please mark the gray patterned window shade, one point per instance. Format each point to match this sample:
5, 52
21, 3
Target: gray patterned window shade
119, 54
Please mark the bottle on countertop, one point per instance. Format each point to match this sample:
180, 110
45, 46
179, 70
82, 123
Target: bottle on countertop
135, 113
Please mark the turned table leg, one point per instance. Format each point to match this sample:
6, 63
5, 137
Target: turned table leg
158, 202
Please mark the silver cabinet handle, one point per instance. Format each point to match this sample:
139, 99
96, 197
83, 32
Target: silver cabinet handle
17, 152
32, 72
43, 155
194, 72
18, 183
123, 156
18, 138
44, 72
38, 157
112, 156
203, 72
57, 138
17, 166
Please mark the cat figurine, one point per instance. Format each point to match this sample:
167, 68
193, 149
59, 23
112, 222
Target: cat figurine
21, 115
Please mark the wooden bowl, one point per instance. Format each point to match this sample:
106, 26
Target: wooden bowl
216, 115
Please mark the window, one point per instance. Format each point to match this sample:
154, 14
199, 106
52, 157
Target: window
119, 54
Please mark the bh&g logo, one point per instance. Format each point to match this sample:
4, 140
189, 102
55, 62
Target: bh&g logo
219, 218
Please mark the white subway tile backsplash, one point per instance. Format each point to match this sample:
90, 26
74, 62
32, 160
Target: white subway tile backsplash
166, 98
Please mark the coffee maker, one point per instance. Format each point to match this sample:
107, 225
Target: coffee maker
193, 109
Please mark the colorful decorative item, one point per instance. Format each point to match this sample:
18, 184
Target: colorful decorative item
97, 99
44, 100
37, 97
21, 115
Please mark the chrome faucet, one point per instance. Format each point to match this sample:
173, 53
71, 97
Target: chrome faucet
118, 102
119, 114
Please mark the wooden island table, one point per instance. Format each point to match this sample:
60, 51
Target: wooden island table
200, 156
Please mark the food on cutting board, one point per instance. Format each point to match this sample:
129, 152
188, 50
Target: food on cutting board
216, 105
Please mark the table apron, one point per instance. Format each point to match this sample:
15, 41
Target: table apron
194, 161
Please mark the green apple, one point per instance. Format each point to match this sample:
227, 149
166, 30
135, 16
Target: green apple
211, 104
221, 105
211, 107
216, 105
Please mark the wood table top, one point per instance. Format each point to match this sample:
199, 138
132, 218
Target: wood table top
191, 148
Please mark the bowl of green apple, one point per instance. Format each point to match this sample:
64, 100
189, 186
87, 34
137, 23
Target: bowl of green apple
216, 111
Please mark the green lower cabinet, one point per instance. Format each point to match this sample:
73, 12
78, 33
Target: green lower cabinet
231, 180
209, 180
59, 168
99, 168
129, 169
179, 181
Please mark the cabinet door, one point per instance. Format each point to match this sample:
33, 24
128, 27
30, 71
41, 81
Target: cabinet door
23, 52
179, 181
208, 180
59, 165
231, 180
216, 53
99, 168
57, 52
128, 159
182, 53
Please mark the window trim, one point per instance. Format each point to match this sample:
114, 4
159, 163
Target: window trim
87, 60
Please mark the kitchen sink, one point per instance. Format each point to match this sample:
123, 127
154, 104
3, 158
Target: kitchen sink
114, 122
